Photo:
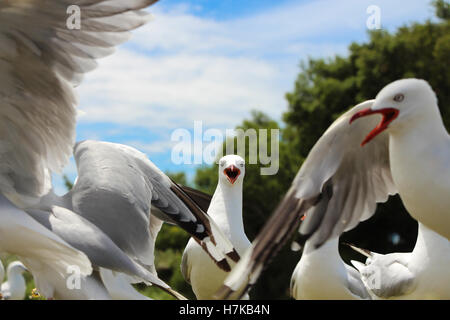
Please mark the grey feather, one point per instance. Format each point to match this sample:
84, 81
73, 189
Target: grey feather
117, 186
40, 62
98, 247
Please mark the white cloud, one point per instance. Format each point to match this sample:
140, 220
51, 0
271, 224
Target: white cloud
175, 90
182, 67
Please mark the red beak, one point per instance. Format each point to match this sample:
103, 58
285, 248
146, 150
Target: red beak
232, 173
389, 114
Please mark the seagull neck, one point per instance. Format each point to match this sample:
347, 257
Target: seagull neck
430, 243
425, 124
329, 250
226, 208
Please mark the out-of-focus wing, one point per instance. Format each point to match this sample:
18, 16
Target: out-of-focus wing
41, 60
23, 236
338, 185
115, 189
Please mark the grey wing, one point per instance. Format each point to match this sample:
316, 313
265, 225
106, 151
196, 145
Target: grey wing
41, 60
92, 241
23, 236
116, 187
338, 185
387, 276
84, 236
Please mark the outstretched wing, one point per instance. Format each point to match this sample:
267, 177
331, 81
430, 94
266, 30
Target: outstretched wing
41, 60
23, 236
115, 189
338, 185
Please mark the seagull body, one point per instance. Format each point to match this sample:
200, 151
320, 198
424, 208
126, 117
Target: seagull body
15, 287
108, 215
421, 274
321, 275
226, 210
41, 60
349, 170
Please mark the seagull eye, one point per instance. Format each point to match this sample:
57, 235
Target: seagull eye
399, 97
222, 163
241, 165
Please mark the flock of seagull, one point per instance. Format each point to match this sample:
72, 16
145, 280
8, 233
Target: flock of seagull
104, 229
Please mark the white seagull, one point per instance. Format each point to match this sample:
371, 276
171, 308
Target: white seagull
111, 215
15, 287
321, 274
41, 60
226, 210
420, 274
350, 170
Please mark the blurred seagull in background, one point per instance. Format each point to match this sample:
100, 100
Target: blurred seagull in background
321, 274
15, 287
226, 210
420, 274
349, 171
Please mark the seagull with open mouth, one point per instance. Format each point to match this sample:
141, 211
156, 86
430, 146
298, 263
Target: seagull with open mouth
358, 162
226, 210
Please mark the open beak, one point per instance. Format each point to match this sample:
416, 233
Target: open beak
232, 173
389, 114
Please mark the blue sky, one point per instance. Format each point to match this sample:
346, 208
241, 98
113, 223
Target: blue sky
215, 61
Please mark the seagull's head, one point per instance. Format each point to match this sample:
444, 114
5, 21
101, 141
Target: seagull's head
16, 267
231, 169
398, 103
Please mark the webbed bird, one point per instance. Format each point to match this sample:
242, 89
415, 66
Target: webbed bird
321, 274
226, 210
420, 274
14, 288
41, 60
351, 169
114, 212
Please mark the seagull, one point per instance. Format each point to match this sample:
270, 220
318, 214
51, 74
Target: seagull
226, 210
321, 274
350, 169
41, 62
15, 287
420, 274
108, 215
